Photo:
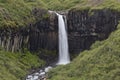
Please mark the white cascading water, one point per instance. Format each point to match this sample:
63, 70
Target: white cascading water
63, 42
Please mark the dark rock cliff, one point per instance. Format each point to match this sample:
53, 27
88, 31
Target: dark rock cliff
84, 28
13, 39
43, 34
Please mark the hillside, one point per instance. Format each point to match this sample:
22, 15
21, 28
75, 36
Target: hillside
18, 13
26, 24
78, 4
14, 66
101, 62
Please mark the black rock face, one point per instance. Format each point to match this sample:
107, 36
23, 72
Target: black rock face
84, 28
44, 33
14, 39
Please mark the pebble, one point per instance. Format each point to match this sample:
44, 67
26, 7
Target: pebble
40, 71
29, 76
37, 74
48, 68
35, 77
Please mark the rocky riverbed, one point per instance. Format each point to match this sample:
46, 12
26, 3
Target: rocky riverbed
39, 75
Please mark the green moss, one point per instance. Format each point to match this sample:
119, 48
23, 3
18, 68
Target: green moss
48, 52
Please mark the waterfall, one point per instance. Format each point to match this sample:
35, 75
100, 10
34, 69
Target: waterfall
63, 51
63, 42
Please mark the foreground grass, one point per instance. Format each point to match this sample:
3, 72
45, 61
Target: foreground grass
14, 66
101, 62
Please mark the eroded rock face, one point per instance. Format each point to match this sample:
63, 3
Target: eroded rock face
13, 39
85, 27
39, 35
43, 34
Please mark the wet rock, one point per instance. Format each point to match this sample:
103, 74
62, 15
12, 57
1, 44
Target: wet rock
29, 77
48, 68
40, 75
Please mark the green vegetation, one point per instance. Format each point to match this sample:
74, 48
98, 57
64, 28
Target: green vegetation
78, 4
14, 66
101, 62
17, 13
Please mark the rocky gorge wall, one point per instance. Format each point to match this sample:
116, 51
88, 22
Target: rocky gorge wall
43, 34
13, 39
84, 28
87, 26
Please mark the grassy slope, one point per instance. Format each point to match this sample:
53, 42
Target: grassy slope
69, 4
14, 66
17, 13
102, 62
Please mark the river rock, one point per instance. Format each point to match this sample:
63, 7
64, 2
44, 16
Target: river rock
48, 68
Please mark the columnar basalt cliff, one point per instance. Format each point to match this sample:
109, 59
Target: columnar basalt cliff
13, 39
84, 28
43, 34
39, 35
87, 26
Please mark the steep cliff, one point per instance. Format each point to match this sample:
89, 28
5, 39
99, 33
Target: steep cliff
35, 36
35, 29
43, 34
87, 26
84, 28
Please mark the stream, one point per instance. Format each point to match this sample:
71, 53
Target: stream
39, 75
